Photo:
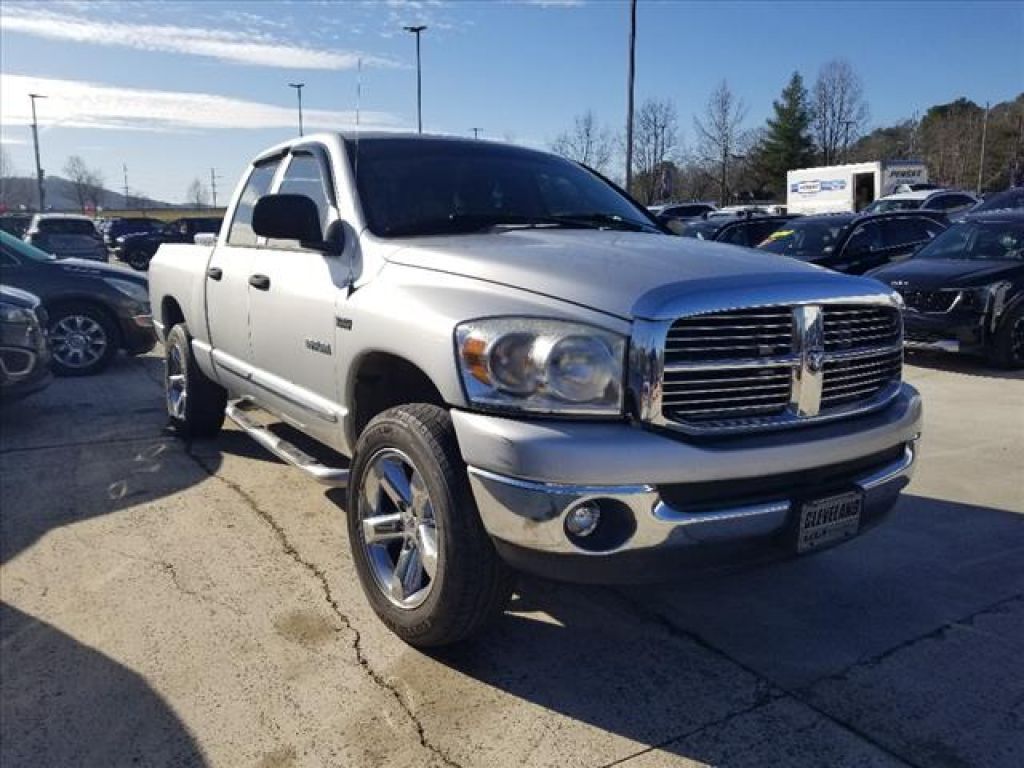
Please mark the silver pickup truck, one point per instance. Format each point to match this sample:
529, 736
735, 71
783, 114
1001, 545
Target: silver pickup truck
510, 366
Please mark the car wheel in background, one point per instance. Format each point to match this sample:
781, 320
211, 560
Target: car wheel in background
1007, 349
83, 339
195, 404
138, 260
426, 564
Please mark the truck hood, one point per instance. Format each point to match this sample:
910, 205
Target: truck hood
628, 274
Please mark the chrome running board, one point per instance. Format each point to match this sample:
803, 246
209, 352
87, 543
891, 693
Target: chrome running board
284, 450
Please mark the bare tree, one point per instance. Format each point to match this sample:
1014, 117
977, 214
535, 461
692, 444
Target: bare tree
87, 182
654, 150
587, 142
720, 136
196, 194
840, 111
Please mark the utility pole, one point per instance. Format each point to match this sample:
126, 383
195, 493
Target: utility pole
630, 78
981, 162
416, 30
213, 185
846, 139
476, 132
35, 141
298, 90
124, 168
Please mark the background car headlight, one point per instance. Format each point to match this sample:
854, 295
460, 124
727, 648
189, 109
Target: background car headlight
9, 313
543, 366
979, 298
130, 289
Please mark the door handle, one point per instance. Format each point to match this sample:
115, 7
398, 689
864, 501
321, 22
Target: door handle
259, 282
215, 273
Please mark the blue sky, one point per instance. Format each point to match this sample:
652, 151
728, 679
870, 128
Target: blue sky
172, 89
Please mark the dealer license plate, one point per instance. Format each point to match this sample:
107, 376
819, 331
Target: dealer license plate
826, 521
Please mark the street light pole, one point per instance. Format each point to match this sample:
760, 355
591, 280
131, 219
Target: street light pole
35, 141
416, 30
298, 90
629, 91
476, 132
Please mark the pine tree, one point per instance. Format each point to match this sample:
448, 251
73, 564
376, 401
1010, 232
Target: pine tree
787, 144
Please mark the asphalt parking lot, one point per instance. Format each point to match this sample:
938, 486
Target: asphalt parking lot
174, 605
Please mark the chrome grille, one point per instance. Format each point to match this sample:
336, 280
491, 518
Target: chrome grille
770, 366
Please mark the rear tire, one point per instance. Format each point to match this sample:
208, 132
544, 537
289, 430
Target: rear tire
409, 501
138, 260
1007, 350
195, 404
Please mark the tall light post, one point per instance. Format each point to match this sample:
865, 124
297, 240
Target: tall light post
298, 90
629, 95
35, 141
416, 30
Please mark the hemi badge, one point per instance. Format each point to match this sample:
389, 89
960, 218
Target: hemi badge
344, 323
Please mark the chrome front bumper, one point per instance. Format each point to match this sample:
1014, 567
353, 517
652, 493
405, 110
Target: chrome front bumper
526, 477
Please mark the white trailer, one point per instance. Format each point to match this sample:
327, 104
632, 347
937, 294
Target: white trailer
852, 187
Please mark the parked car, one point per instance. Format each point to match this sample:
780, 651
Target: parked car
749, 230
528, 373
855, 243
670, 214
964, 291
949, 201
1009, 199
15, 223
24, 352
137, 249
93, 309
115, 228
66, 236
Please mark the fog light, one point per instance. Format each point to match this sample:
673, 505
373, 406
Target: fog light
583, 520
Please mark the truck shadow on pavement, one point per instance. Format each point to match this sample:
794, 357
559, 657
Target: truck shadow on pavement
906, 641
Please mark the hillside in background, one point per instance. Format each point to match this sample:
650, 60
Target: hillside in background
19, 192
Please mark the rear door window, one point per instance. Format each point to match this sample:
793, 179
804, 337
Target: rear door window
260, 179
899, 233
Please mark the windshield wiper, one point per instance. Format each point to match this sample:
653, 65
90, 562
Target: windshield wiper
599, 220
466, 223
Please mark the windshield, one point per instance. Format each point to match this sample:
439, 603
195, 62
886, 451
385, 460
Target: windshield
426, 187
805, 239
899, 204
66, 227
702, 230
1011, 198
19, 248
978, 241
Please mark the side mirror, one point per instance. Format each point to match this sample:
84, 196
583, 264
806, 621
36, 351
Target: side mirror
291, 217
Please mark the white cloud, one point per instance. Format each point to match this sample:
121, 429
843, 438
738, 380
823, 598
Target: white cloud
251, 47
10, 141
78, 104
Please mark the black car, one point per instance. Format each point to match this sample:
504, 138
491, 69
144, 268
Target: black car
964, 291
680, 213
138, 249
116, 228
15, 223
855, 242
1009, 199
93, 309
747, 230
24, 352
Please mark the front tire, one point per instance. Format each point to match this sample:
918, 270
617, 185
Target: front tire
427, 566
195, 404
138, 260
1008, 343
83, 339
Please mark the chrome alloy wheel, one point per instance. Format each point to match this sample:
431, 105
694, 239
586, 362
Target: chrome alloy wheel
177, 385
78, 341
398, 530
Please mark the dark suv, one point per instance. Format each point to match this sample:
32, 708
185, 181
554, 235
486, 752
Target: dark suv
964, 291
116, 228
749, 230
94, 309
855, 243
137, 249
24, 352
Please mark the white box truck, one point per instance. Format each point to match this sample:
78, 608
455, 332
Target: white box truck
852, 187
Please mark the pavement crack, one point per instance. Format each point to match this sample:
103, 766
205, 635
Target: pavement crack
871, 661
318, 574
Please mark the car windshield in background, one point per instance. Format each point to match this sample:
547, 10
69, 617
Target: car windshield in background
702, 230
410, 187
805, 238
885, 206
978, 241
1011, 198
67, 227
19, 248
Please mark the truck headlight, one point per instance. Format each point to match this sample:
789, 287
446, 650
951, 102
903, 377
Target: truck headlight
542, 366
130, 289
